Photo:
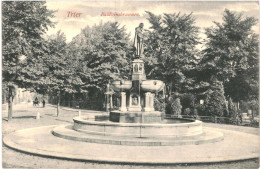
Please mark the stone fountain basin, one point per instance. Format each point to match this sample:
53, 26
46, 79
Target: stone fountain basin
121, 85
169, 129
152, 85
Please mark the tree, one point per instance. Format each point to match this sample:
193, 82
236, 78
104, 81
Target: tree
58, 68
170, 52
61, 69
231, 55
101, 52
24, 24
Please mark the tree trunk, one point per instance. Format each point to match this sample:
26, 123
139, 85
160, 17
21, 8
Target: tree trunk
69, 95
64, 99
58, 105
3, 96
107, 105
170, 89
10, 103
72, 101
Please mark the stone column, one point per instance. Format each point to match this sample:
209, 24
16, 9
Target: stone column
147, 100
123, 102
107, 103
151, 101
111, 101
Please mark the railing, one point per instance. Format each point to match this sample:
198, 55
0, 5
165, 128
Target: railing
220, 120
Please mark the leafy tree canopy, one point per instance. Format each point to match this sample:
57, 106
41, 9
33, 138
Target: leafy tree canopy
231, 55
171, 44
24, 24
101, 52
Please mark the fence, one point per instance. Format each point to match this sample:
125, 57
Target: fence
220, 120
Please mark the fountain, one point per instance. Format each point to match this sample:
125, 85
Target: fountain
136, 117
136, 122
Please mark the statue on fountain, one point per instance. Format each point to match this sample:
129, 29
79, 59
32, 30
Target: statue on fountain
138, 40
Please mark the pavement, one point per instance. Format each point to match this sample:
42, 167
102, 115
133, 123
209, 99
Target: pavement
40, 141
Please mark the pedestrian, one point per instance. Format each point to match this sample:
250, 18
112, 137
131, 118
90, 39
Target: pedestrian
43, 103
35, 102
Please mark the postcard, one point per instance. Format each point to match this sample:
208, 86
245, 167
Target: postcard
130, 84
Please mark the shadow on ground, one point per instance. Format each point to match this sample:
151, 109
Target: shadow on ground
64, 121
51, 115
21, 117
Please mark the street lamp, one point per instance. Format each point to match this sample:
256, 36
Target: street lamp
108, 97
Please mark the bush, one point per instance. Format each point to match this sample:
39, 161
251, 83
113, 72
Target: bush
201, 110
254, 106
254, 123
159, 104
168, 108
233, 112
195, 112
176, 107
187, 111
244, 106
216, 105
187, 101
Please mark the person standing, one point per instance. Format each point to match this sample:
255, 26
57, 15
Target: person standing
43, 103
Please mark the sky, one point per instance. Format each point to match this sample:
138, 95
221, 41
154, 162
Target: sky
71, 17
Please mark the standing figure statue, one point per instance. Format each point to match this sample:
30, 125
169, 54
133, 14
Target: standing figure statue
138, 41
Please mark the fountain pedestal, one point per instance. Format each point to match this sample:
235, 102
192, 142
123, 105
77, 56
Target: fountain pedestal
137, 97
149, 102
123, 102
151, 99
138, 70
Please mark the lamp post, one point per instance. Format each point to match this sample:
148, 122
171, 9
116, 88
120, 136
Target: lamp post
108, 95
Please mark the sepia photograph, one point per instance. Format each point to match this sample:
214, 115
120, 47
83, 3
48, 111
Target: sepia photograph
130, 84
